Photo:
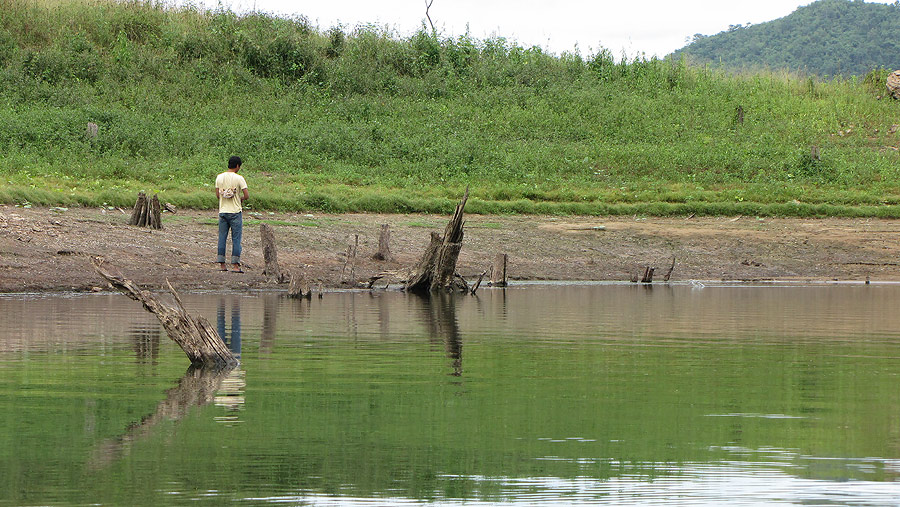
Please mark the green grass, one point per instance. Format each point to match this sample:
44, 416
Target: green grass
366, 120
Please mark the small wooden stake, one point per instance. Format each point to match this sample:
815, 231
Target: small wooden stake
671, 268
478, 283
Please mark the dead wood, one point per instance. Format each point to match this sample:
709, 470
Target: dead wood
478, 282
648, 275
437, 268
299, 287
272, 270
384, 247
138, 209
195, 335
155, 214
498, 270
671, 268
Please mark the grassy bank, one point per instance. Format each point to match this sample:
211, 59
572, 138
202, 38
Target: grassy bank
368, 120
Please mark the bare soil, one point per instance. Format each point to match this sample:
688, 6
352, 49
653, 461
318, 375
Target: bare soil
46, 249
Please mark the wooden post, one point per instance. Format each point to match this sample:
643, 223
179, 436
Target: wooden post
195, 335
648, 275
384, 248
498, 271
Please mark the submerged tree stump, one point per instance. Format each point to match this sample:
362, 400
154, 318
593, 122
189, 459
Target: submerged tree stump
195, 335
437, 268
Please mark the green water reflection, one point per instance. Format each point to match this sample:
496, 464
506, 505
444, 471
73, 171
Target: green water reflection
535, 394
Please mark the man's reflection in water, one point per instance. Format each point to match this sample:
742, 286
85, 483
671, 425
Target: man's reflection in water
231, 392
234, 339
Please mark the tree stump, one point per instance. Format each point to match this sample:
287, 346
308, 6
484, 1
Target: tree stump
272, 270
498, 271
146, 212
195, 335
299, 287
437, 268
384, 248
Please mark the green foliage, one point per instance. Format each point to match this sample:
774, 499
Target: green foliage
826, 38
367, 120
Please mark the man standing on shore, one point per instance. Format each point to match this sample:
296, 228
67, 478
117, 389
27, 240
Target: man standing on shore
231, 189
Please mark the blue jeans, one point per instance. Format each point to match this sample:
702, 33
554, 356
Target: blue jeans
235, 222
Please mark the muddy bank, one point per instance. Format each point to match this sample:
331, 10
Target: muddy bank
49, 249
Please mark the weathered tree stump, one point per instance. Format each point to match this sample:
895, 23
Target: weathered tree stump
272, 270
154, 220
138, 209
384, 248
146, 212
195, 335
299, 287
648, 275
498, 271
437, 268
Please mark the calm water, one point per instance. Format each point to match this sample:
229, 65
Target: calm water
538, 394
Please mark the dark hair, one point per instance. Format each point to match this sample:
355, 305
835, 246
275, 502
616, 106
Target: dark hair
234, 162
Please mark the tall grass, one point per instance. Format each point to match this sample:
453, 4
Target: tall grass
369, 120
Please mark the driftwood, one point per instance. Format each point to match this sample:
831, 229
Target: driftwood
384, 247
437, 268
146, 212
195, 335
498, 271
272, 270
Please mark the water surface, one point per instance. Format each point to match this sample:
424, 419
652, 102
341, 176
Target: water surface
566, 394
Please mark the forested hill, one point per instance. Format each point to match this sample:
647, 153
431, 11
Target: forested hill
828, 38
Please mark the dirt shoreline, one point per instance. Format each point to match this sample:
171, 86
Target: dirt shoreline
49, 249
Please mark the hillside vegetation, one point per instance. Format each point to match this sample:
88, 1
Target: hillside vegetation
368, 120
827, 38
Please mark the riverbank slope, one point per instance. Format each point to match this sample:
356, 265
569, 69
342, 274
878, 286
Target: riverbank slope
45, 249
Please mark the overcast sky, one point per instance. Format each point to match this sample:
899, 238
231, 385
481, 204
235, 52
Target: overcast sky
652, 27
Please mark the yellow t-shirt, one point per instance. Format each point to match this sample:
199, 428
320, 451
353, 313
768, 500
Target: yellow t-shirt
236, 182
